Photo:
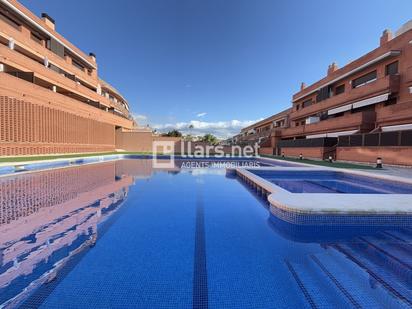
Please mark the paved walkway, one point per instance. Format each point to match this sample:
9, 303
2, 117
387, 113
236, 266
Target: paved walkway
394, 171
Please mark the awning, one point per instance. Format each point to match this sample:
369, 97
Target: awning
332, 134
400, 127
371, 101
316, 135
340, 109
336, 134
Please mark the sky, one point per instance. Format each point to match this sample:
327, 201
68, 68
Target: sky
219, 65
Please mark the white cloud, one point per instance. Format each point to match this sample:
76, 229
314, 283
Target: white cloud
221, 129
139, 118
201, 114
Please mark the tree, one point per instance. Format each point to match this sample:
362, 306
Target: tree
188, 138
173, 133
210, 139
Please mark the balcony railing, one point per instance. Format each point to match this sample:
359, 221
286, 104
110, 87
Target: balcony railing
388, 83
345, 122
394, 114
35, 93
261, 135
13, 57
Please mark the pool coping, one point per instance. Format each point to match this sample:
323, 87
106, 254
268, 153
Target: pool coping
344, 204
8, 169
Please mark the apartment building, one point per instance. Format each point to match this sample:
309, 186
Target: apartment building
262, 131
51, 97
358, 112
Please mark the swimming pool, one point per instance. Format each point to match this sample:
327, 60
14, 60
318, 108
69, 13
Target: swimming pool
122, 234
332, 182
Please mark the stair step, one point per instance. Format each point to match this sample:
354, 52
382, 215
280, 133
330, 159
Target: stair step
315, 284
365, 289
382, 275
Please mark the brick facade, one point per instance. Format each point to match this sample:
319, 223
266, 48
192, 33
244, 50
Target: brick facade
369, 95
52, 99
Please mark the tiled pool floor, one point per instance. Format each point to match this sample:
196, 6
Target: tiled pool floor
183, 239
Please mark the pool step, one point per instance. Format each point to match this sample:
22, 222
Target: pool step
384, 260
379, 273
398, 250
367, 292
404, 235
334, 279
319, 286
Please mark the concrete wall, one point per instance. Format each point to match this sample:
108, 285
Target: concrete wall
389, 155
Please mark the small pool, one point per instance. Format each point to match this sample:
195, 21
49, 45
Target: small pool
331, 182
122, 234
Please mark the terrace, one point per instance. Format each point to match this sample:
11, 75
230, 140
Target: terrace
387, 84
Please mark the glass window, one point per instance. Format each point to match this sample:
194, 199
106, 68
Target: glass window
391, 68
340, 89
363, 80
307, 103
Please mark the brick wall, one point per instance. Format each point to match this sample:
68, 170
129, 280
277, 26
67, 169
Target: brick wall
266, 151
307, 152
27, 128
139, 141
389, 155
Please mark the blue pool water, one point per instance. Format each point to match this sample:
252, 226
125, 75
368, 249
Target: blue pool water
332, 182
122, 234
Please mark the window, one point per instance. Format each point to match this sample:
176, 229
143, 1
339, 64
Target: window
323, 116
303, 122
363, 80
391, 68
55, 47
324, 93
297, 123
340, 89
297, 107
307, 103
77, 64
35, 37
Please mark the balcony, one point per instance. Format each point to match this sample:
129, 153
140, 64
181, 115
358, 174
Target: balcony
264, 134
408, 75
355, 121
24, 63
394, 114
381, 85
22, 39
15, 87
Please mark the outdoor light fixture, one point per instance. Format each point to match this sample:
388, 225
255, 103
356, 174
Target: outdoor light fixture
378, 162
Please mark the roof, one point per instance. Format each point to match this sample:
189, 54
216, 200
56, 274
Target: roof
374, 56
